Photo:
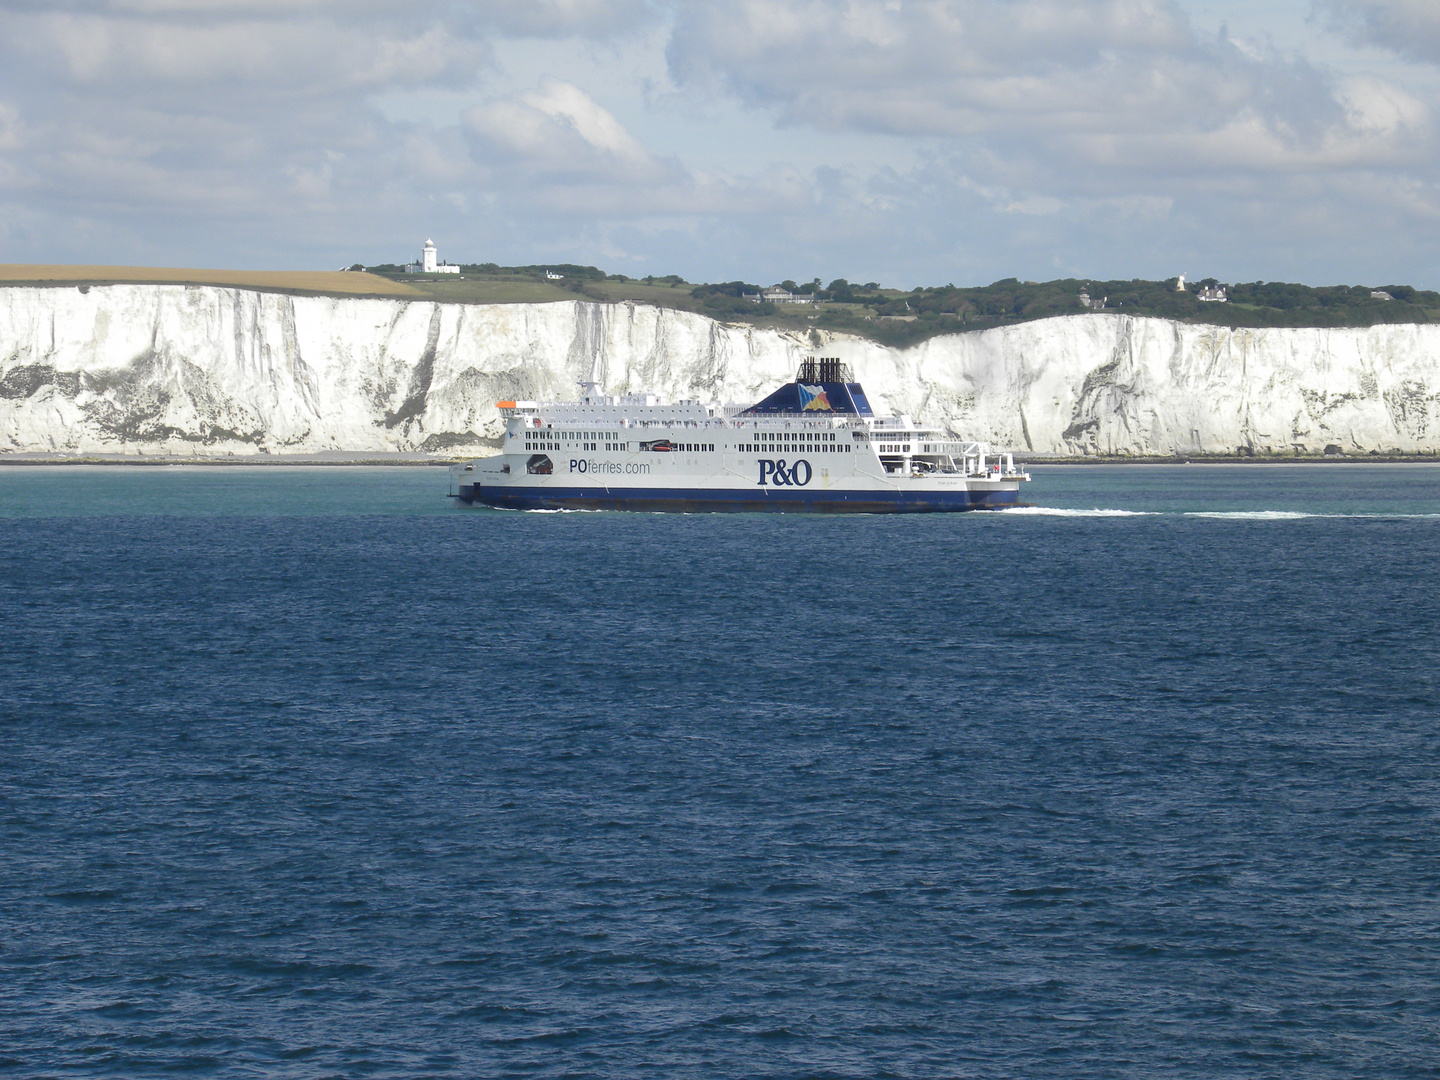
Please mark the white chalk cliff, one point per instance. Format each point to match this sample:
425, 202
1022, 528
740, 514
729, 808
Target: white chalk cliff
182, 369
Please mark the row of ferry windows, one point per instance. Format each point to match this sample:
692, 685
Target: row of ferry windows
770, 448
744, 448
761, 436
693, 447
547, 440
532, 444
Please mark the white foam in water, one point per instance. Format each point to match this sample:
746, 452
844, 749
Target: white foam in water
1054, 511
1256, 515
1223, 515
1291, 515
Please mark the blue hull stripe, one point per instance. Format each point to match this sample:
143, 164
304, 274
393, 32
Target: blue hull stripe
758, 500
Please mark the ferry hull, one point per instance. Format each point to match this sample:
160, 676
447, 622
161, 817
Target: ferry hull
761, 500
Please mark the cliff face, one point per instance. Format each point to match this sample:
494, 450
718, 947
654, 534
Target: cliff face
127, 368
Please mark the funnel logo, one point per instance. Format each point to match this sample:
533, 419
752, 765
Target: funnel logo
781, 475
813, 399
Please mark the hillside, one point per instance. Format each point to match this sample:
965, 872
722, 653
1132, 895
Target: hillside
898, 317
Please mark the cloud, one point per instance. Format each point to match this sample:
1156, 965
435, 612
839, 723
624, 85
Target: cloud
559, 129
544, 18
272, 46
555, 147
1410, 28
1127, 84
139, 109
906, 140
943, 68
10, 127
1377, 107
284, 53
209, 132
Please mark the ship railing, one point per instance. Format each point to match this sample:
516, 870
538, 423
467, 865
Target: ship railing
742, 425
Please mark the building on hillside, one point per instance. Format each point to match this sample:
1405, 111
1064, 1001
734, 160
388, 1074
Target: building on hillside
1180, 284
1380, 294
428, 263
777, 295
1212, 294
551, 275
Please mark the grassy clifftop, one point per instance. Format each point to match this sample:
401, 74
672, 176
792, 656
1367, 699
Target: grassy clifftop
890, 316
323, 282
900, 317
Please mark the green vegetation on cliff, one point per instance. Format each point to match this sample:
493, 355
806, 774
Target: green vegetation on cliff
900, 317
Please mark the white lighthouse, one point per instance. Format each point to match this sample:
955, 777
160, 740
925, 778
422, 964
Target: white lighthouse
430, 264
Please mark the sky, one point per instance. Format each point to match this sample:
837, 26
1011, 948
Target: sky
908, 143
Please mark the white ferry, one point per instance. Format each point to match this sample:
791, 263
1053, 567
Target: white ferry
813, 446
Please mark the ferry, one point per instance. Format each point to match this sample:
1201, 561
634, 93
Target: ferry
813, 446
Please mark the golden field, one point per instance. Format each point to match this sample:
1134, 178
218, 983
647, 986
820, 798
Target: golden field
342, 282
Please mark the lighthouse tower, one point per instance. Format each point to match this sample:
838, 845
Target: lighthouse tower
429, 263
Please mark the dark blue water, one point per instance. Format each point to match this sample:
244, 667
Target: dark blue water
310, 773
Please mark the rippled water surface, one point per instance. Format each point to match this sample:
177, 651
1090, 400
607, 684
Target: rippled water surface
308, 772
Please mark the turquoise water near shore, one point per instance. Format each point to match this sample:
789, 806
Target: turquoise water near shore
313, 772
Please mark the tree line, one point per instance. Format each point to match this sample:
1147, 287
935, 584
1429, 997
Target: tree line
899, 316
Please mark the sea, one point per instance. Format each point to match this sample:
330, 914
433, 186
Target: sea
313, 772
